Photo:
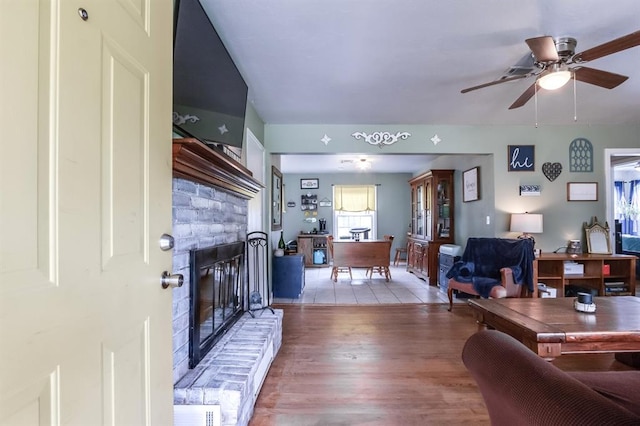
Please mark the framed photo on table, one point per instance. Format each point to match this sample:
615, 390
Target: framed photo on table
471, 185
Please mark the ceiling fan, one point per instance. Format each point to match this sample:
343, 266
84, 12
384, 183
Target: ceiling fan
556, 62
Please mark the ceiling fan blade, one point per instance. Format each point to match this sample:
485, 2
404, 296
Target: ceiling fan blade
524, 98
613, 46
493, 83
605, 79
543, 48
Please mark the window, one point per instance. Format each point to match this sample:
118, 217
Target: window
354, 207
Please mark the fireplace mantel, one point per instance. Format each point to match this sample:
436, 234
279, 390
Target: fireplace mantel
195, 161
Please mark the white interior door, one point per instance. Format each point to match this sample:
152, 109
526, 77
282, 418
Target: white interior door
85, 195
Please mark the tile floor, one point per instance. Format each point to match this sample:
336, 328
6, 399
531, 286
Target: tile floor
403, 287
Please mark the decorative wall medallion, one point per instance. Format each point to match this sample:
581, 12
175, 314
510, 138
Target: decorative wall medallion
381, 138
435, 139
551, 170
181, 119
325, 139
580, 155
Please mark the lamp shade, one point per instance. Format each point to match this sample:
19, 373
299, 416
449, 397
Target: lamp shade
528, 223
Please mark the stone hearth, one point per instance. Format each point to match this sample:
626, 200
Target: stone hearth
232, 373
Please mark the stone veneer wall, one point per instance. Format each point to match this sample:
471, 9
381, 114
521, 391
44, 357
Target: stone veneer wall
203, 216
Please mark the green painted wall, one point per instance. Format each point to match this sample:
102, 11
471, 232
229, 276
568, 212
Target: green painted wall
463, 147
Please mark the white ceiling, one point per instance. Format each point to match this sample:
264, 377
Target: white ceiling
405, 61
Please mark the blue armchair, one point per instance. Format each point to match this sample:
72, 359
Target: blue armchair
493, 267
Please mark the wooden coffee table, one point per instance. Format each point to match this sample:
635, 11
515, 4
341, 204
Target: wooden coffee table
551, 327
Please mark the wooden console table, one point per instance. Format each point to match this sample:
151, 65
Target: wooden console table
608, 274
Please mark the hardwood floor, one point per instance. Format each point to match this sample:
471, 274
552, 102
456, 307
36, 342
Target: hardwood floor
379, 365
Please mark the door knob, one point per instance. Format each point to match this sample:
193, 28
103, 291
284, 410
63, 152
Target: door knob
166, 242
174, 281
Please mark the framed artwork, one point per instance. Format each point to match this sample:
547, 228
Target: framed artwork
471, 185
582, 191
276, 199
521, 158
309, 183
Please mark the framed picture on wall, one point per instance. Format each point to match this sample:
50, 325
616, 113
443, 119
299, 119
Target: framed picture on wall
276, 199
582, 191
521, 158
309, 183
471, 184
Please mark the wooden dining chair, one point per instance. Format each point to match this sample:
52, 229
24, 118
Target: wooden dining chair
382, 270
335, 269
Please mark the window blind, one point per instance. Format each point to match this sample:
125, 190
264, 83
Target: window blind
354, 198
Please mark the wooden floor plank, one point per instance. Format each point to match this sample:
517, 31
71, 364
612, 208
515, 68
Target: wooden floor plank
378, 365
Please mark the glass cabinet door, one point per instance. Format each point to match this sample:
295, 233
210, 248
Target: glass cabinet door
428, 189
444, 208
419, 212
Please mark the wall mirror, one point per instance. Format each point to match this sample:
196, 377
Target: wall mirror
597, 237
276, 199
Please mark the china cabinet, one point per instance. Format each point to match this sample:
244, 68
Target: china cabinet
432, 221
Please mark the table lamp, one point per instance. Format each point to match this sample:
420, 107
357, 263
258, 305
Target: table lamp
527, 223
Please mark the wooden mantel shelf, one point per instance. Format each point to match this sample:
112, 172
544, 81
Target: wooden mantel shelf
195, 161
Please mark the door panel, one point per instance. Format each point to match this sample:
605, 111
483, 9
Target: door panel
85, 195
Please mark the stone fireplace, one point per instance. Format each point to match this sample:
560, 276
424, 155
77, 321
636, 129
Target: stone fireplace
210, 208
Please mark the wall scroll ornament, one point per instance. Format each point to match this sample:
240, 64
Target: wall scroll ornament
580, 155
551, 170
381, 138
181, 119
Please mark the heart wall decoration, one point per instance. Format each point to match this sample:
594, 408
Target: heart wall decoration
551, 170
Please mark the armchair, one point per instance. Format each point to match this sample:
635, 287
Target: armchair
521, 388
493, 267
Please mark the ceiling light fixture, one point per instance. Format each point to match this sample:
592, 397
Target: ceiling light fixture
363, 164
557, 77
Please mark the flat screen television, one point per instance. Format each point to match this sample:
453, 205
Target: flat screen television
209, 93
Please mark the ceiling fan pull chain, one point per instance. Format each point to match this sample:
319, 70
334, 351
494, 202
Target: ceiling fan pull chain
575, 103
535, 99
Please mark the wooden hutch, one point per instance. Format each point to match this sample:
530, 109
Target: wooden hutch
431, 222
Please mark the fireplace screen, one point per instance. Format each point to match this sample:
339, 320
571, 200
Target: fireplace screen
217, 295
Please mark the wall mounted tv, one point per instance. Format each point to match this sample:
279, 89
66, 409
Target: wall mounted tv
209, 93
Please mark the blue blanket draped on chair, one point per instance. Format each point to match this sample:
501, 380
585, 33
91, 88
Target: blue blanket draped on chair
484, 257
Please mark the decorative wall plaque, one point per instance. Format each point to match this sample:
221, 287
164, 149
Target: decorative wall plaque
381, 138
580, 155
521, 158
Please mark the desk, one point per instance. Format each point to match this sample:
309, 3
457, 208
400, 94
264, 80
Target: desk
362, 254
551, 327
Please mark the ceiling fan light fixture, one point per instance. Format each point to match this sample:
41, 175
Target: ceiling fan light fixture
555, 79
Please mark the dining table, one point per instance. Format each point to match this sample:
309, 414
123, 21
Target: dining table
363, 254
